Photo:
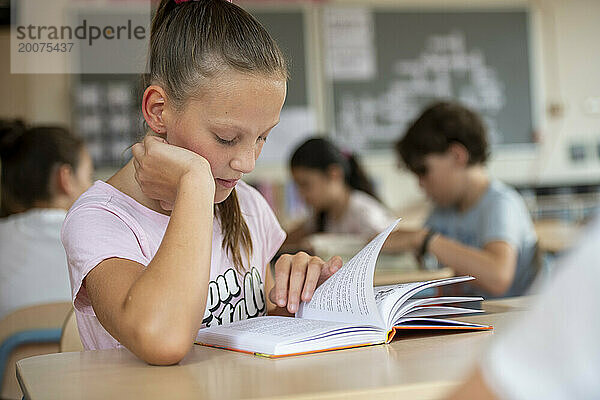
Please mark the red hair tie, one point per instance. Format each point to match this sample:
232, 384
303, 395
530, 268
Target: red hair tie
346, 153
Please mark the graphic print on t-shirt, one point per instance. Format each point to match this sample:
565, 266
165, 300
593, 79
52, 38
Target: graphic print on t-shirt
228, 301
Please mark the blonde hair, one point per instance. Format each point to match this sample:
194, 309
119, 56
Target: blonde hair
190, 43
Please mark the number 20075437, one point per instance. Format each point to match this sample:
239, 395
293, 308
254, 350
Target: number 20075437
45, 47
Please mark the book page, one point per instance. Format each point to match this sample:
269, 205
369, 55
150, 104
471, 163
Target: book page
391, 298
347, 296
437, 323
434, 311
387, 296
415, 303
266, 334
382, 293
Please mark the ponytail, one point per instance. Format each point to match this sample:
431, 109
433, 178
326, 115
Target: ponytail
357, 178
234, 229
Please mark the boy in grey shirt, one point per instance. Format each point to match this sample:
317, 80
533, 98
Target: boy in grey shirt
479, 226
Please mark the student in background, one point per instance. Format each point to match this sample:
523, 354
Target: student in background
44, 169
341, 196
179, 241
479, 226
552, 352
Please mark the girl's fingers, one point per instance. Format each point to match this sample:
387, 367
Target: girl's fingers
137, 179
297, 277
153, 143
330, 268
156, 139
166, 205
313, 272
335, 263
138, 150
282, 277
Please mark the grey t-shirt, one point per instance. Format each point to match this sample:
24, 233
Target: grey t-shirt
500, 215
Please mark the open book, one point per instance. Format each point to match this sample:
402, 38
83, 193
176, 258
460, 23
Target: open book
346, 311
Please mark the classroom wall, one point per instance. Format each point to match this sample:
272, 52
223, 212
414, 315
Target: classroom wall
566, 91
35, 98
566, 88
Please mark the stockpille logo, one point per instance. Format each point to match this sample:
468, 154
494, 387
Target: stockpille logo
83, 31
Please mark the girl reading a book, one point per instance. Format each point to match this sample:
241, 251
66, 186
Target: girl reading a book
175, 241
338, 191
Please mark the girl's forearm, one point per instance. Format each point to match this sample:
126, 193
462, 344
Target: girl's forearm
166, 303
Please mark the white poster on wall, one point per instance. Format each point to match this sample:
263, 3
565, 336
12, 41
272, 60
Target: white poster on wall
295, 125
350, 51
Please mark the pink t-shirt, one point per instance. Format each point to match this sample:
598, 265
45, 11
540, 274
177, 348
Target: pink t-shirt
105, 223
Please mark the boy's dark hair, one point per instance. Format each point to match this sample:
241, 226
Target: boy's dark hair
440, 125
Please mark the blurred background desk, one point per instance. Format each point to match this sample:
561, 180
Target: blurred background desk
391, 276
556, 236
390, 268
422, 366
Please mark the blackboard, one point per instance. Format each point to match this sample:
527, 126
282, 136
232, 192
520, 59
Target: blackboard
286, 27
480, 58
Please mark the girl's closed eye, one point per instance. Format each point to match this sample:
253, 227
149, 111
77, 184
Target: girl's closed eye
231, 142
227, 142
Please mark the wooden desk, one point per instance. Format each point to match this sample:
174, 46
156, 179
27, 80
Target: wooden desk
556, 236
417, 367
389, 276
42, 316
404, 267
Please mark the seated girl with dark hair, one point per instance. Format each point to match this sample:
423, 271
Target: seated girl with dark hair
44, 170
335, 187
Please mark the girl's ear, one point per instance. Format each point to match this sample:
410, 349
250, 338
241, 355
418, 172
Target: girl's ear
153, 105
64, 179
459, 154
335, 172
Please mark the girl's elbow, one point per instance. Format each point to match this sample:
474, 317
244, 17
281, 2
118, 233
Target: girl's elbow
167, 354
162, 348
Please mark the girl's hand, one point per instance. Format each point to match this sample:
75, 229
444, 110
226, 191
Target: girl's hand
297, 276
159, 168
